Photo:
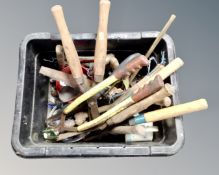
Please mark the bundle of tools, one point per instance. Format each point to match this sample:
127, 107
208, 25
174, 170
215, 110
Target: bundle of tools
94, 96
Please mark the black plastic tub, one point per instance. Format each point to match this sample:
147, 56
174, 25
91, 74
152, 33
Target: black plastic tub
32, 98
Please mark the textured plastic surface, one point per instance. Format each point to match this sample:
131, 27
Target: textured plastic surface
32, 96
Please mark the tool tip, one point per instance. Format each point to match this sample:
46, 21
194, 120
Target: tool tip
204, 103
105, 2
173, 16
56, 8
179, 61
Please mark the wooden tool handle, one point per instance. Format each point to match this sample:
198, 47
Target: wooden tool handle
132, 66
170, 68
164, 72
68, 45
177, 110
101, 41
58, 75
149, 89
160, 35
105, 116
167, 90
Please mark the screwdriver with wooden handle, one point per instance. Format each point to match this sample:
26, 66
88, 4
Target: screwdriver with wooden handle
147, 90
170, 112
68, 45
101, 41
121, 72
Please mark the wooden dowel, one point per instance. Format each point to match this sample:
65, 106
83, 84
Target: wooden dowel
160, 35
157, 40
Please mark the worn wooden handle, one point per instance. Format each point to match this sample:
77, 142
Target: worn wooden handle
58, 75
132, 66
148, 89
177, 110
101, 41
68, 45
170, 68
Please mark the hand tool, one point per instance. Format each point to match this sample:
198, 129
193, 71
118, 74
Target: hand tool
166, 91
69, 47
157, 40
142, 93
127, 92
101, 41
123, 71
59, 76
170, 112
164, 72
